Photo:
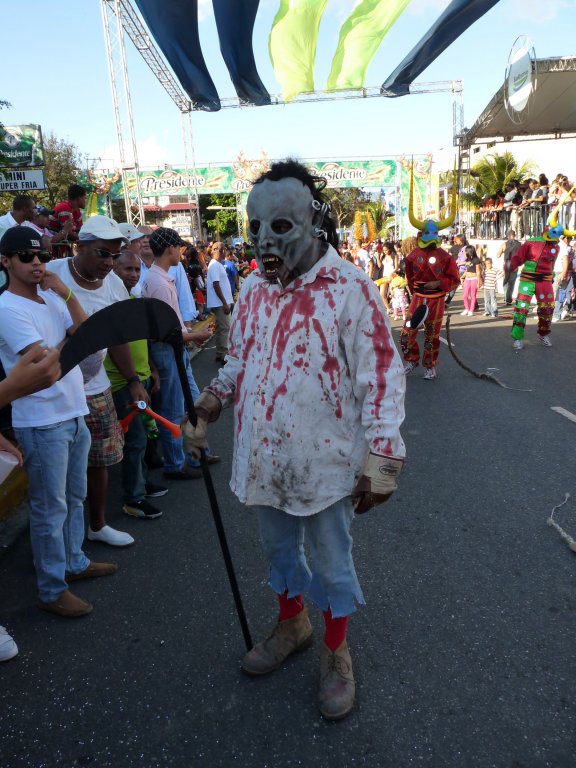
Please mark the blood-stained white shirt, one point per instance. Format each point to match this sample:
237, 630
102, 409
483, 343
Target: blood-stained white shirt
316, 382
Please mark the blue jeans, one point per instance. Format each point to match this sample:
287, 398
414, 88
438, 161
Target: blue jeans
134, 470
490, 302
171, 402
332, 581
56, 460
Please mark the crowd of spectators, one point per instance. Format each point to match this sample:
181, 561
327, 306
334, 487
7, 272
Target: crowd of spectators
524, 207
58, 272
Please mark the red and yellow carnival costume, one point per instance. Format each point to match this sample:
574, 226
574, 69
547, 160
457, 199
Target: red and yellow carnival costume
428, 263
425, 265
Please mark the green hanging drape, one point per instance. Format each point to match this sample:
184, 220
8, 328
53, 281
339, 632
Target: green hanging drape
293, 45
360, 36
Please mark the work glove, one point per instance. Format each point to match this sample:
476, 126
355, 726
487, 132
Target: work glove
207, 408
376, 483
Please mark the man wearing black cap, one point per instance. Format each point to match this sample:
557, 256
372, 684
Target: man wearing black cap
158, 284
38, 308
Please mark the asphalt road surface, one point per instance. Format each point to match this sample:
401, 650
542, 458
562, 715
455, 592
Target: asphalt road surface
464, 654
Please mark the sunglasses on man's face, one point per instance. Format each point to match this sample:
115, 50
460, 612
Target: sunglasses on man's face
28, 256
106, 254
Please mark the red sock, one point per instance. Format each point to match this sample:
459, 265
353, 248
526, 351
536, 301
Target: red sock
335, 633
289, 606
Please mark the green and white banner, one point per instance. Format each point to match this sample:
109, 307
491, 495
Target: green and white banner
21, 146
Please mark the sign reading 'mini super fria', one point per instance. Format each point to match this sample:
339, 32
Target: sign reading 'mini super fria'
21, 146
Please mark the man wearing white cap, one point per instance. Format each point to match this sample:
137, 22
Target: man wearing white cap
133, 237
89, 275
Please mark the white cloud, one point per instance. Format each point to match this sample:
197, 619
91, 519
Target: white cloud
204, 9
152, 151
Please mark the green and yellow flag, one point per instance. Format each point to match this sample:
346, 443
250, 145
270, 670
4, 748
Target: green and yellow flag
360, 36
292, 45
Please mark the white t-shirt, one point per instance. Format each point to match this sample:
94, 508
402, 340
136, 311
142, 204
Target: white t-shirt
24, 322
363, 258
111, 291
217, 273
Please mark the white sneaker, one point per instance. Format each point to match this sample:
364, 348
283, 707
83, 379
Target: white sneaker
518, 344
409, 367
464, 313
108, 535
555, 319
8, 648
430, 374
545, 340
470, 313
564, 314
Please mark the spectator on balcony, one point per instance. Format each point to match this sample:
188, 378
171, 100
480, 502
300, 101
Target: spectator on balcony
538, 203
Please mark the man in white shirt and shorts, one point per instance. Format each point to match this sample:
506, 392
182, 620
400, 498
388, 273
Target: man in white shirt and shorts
219, 299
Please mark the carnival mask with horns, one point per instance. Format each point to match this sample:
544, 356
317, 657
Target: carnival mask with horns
554, 231
429, 229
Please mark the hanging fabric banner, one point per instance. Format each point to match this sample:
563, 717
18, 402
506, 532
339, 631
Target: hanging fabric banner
174, 26
359, 39
293, 45
235, 24
455, 20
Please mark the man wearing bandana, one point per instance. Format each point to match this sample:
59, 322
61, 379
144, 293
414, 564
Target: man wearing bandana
431, 273
318, 395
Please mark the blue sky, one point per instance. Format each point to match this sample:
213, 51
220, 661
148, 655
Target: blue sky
61, 82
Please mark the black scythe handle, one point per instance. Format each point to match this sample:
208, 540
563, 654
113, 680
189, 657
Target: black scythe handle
175, 340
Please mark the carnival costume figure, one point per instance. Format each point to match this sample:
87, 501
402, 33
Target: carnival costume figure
431, 273
537, 258
318, 394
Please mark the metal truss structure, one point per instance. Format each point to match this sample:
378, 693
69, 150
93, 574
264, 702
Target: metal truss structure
119, 17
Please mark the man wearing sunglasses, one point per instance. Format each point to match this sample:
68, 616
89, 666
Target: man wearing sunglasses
37, 308
90, 277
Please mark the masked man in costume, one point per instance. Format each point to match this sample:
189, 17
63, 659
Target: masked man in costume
431, 273
537, 258
318, 394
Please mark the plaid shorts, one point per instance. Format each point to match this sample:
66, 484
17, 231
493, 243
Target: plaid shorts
107, 437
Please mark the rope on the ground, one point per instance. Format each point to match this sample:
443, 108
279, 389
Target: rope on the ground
483, 376
566, 536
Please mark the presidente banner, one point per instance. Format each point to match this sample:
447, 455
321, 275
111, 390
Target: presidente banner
239, 177
21, 146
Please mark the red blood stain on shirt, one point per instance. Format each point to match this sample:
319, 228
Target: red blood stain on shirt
382, 348
299, 363
331, 366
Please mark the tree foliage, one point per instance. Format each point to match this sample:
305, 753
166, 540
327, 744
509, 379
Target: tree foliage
492, 173
344, 203
62, 161
383, 219
222, 223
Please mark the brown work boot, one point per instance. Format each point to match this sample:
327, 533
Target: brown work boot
68, 605
288, 636
337, 686
92, 571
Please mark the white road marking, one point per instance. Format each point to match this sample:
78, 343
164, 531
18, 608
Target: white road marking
445, 342
564, 412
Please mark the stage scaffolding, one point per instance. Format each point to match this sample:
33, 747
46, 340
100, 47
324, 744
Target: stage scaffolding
119, 17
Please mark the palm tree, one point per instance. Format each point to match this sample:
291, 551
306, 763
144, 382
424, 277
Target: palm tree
383, 219
491, 174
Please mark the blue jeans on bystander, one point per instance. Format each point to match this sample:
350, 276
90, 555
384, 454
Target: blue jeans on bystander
172, 403
56, 460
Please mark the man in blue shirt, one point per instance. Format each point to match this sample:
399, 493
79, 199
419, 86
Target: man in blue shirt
231, 271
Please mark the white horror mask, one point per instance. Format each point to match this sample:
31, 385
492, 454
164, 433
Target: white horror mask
285, 226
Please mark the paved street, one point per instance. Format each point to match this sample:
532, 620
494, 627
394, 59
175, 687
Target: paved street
464, 655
